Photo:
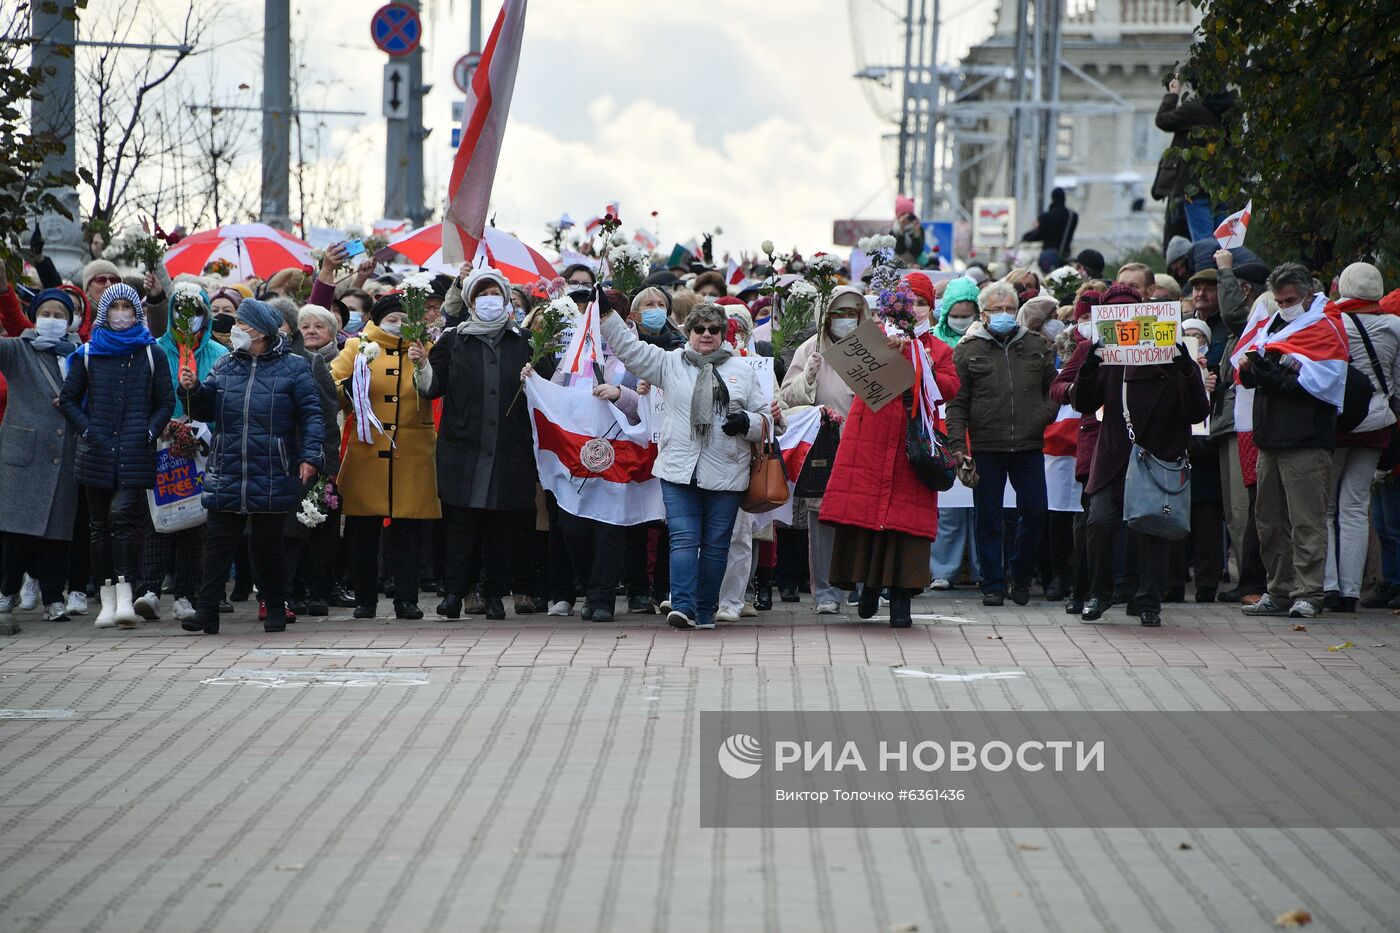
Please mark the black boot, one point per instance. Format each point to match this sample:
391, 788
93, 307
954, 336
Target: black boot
763, 598
276, 617
495, 609
789, 594
205, 620
366, 611
899, 609
406, 609
869, 601
450, 607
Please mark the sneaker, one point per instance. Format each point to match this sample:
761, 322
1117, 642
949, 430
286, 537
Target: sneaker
749, 611
7, 604
726, 616
55, 612
1265, 607
29, 593
148, 607
524, 605
182, 610
1302, 609
993, 599
665, 604
706, 625
677, 618
473, 604
641, 605
559, 608
77, 603
942, 584
828, 608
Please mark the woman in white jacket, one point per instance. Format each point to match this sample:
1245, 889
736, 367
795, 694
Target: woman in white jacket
713, 413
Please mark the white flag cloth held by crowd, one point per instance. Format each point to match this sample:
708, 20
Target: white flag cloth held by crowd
483, 128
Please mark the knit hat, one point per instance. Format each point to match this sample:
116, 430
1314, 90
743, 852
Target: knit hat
1255, 273
962, 289
52, 294
1197, 325
1121, 293
1177, 248
1092, 261
231, 294
1361, 280
664, 279
386, 304
98, 267
903, 204
974, 274
728, 300
261, 316
480, 277
1084, 304
922, 286
119, 292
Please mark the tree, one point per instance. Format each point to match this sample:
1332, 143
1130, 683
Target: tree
26, 189
1317, 142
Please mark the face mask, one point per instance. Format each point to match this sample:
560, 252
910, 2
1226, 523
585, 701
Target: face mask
393, 329
489, 308
1002, 323
959, 325
198, 325
357, 321
1086, 330
51, 328
653, 318
842, 327
1291, 312
240, 339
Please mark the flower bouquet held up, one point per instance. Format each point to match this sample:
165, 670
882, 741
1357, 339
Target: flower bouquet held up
547, 337
186, 308
629, 268
318, 503
794, 310
416, 289
151, 247
1063, 283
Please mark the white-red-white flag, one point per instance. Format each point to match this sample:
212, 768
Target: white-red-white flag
1231, 231
735, 274
646, 239
585, 348
483, 129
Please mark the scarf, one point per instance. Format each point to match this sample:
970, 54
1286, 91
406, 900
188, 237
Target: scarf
475, 327
710, 397
62, 347
108, 342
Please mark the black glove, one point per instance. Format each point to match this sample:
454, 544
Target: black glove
604, 309
36, 242
736, 424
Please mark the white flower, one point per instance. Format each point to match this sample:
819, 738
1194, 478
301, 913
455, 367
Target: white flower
369, 350
619, 238
419, 281
824, 264
565, 307
186, 290
767, 247
803, 289
1062, 273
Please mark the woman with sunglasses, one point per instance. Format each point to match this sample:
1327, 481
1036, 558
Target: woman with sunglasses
714, 413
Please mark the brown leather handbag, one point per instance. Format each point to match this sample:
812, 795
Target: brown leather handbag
768, 480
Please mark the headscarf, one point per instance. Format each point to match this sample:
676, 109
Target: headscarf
710, 397
108, 342
473, 325
261, 316
958, 290
232, 294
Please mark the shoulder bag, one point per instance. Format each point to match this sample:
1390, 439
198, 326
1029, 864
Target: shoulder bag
768, 482
933, 463
1156, 492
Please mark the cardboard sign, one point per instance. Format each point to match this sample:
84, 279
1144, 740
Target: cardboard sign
864, 362
1138, 335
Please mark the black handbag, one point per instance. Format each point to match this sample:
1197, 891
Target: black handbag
933, 463
821, 457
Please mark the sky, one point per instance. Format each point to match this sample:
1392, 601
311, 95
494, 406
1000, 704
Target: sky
728, 113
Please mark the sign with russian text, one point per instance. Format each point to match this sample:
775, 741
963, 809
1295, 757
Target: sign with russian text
1143, 334
865, 362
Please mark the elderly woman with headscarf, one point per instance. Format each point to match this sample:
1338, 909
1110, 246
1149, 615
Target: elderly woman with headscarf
118, 398
36, 455
266, 410
389, 468
223, 307
715, 412
485, 452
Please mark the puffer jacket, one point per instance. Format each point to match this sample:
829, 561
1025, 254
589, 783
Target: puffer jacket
267, 410
118, 405
723, 463
1003, 402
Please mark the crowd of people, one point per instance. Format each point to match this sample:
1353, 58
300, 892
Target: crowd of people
422, 460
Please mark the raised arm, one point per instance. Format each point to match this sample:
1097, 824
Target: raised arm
641, 359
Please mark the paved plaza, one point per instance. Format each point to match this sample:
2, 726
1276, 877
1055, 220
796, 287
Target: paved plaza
542, 774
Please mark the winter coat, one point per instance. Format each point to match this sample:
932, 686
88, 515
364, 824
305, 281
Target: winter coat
1062, 393
723, 463
485, 449
118, 405
320, 364
1234, 314
395, 475
1286, 415
37, 446
1384, 331
266, 411
1179, 117
872, 484
1163, 401
1003, 402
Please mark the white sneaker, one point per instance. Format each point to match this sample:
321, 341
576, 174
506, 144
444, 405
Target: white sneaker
125, 613
7, 604
748, 612
55, 612
148, 607
1303, 609
29, 593
942, 584
182, 610
560, 608
665, 604
108, 616
77, 603
1265, 607
828, 608
726, 615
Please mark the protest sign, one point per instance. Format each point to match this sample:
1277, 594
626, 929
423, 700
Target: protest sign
1139, 334
865, 362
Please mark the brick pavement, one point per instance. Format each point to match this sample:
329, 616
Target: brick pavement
540, 774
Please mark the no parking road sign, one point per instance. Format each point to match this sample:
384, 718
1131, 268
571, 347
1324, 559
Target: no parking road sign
396, 29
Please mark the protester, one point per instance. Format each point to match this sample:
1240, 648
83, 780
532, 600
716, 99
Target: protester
956, 524
908, 233
1054, 230
267, 447
998, 418
117, 395
1081, 341
1089, 263
1164, 288
318, 328
1138, 276
1192, 122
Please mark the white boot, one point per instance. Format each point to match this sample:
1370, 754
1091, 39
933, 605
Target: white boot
108, 616
126, 615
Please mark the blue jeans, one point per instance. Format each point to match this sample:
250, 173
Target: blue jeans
700, 522
1201, 217
1026, 471
955, 538
1385, 513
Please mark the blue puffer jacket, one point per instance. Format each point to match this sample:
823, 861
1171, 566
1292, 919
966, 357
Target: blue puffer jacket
268, 415
118, 405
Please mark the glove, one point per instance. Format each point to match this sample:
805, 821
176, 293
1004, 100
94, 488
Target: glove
736, 424
603, 308
812, 367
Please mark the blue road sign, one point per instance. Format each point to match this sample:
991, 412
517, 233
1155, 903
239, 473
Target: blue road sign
396, 29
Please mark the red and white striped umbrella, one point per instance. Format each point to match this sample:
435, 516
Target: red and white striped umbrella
520, 264
254, 249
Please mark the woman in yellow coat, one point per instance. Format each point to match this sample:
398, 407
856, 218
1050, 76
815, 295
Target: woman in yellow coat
389, 469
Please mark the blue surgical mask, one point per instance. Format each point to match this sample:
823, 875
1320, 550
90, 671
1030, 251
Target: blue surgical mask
357, 322
1002, 323
653, 318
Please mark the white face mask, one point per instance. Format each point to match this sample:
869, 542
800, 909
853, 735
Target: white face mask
51, 328
1086, 330
393, 328
489, 308
842, 327
198, 324
959, 325
240, 339
1291, 312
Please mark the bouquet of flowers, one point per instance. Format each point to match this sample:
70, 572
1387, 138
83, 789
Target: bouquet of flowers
894, 299
220, 267
187, 306
879, 248
629, 267
1063, 283
185, 440
794, 309
552, 324
821, 270
416, 289
318, 503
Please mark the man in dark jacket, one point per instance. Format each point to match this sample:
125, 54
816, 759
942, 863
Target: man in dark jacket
1179, 117
1001, 410
1054, 230
267, 450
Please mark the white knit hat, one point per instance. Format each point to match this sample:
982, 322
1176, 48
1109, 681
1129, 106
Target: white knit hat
1361, 280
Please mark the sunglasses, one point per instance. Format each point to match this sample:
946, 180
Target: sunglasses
105, 279
715, 329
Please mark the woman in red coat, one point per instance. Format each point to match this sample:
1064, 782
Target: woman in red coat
885, 517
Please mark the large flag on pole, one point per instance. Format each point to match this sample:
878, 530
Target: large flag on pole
483, 128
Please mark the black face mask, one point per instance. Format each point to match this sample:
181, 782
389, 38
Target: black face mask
223, 323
